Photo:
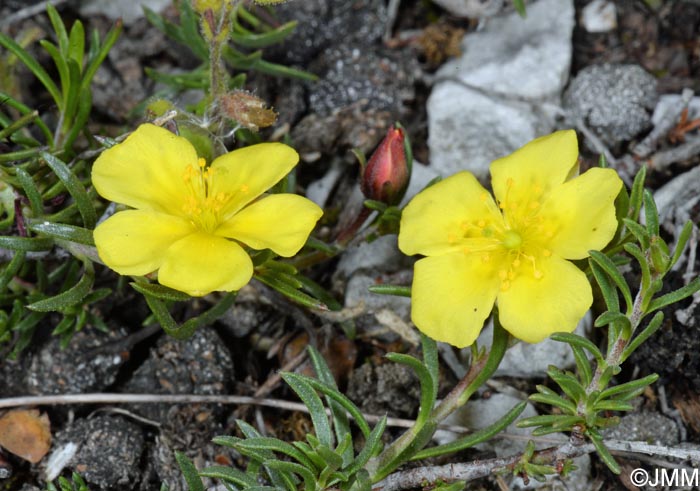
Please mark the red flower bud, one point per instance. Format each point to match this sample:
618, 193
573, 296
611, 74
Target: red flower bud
385, 176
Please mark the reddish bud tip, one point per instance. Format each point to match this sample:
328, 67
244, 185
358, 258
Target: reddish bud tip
386, 174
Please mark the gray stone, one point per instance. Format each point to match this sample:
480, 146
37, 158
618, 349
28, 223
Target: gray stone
614, 101
357, 293
323, 23
494, 98
380, 255
531, 360
108, 451
649, 427
599, 16
378, 79
198, 365
390, 387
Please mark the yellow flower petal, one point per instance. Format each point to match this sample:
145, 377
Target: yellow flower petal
133, 242
452, 295
202, 263
281, 222
581, 213
146, 170
437, 219
535, 169
246, 173
532, 309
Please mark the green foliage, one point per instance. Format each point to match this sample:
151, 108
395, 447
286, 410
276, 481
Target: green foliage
46, 204
75, 484
587, 398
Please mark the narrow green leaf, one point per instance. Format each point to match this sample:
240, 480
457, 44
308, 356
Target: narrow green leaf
606, 288
341, 425
559, 420
81, 118
582, 365
26, 244
33, 66
651, 213
580, 341
63, 231
23, 109
334, 394
683, 238
475, 438
68, 298
275, 445
97, 56
188, 327
427, 388
74, 187
278, 283
266, 39
228, 474
647, 332
189, 471
634, 251
431, 362
316, 410
31, 191
11, 269
59, 28
636, 193
568, 383
372, 446
633, 385
520, 8
675, 296
640, 233
609, 267
612, 405
76, 43
306, 475
399, 291
609, 317
605, 455
554, 400
160, 292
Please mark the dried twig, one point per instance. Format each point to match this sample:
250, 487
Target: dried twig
666, 123
664, 158
28, 12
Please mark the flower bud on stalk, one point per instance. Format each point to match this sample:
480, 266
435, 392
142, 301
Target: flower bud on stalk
385, 176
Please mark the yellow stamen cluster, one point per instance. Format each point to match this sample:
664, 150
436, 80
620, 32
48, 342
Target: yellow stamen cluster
202, 207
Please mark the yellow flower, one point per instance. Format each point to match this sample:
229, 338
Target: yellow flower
190, 219
514, 253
